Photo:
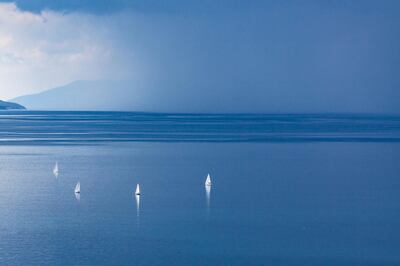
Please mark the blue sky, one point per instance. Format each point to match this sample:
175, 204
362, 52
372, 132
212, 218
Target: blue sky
257, 56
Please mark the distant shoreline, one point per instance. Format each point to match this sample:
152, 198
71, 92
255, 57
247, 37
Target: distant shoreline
311, 114
11, 106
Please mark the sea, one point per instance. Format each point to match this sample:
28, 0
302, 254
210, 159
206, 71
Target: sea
287, 189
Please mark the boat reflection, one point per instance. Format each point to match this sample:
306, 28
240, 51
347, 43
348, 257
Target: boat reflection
78, 196
55, 170
208, 192
137, 197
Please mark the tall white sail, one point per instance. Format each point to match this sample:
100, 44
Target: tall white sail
137, 192
208, 180
55, 169
78, 188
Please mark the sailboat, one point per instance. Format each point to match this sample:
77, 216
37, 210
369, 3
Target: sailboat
55, 169
78, 188
137, 192
208, 181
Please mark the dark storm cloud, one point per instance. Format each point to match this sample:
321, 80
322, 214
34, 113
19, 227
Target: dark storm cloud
257, 56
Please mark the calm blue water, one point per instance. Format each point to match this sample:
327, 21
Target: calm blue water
91, 127
287, 189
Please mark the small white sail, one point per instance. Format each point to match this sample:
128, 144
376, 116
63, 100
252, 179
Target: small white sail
78, 188
208, 180
137, 192
55, 170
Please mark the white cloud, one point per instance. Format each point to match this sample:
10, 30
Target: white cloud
40, 51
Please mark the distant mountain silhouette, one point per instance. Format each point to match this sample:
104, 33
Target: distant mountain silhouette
10, 106
143, 94
83, 95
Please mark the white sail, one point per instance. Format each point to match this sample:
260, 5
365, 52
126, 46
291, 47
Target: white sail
78, 188
137, 192
208, 180
55, 170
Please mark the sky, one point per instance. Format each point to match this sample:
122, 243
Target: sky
220, 56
